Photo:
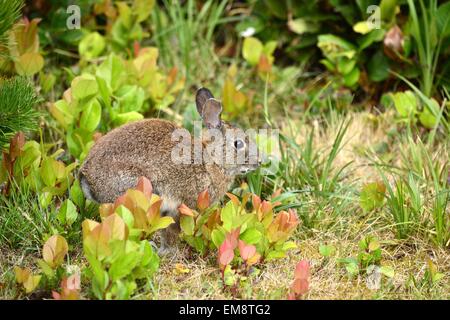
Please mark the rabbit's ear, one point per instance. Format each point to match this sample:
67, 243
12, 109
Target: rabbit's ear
211, 114
202, 96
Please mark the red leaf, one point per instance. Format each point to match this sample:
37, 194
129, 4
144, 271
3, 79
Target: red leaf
226, 253
145, 186
256, 201
302, 270
203, 200
233, 236
234, 199
184, 209
56, 295
136, 48
73, 282
300, 286
246, 250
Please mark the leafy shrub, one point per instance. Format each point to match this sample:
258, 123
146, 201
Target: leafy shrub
140, 209
24, 58
116, 261
208, 227
54, 252
29, 166
116, 249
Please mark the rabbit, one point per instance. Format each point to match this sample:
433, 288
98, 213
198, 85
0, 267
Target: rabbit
144, 148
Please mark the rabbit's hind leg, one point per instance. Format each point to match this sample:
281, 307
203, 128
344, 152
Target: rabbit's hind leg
107, 183
169, 235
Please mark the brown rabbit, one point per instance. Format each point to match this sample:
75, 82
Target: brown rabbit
146, 148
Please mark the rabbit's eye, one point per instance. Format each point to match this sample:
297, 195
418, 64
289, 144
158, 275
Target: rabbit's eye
239, 144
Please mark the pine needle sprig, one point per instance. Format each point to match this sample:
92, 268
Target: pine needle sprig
17, 112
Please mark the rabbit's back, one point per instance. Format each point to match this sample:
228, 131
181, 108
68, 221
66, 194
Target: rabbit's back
144, 148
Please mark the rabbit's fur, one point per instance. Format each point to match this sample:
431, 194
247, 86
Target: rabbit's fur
144, 148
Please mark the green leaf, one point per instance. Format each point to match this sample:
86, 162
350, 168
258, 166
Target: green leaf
301, 26
162, 223
76, 194
376, 35
29, 64
45, 199
275, 254
126, 215
251, 50
229, 276
334, 47
60, 110
48, 173
112, 71
92, 45
378, 67
327, 250
124, 118
67, 213
387, 271
187, 225
130, 98
405, 103
427, 119
352, 268
251, 236
388, 9
143, 8
217, 237
372, 196
363, 27
288, 245
91, 116
124, 265
227, 214
443, 19
46, 269
352, 77
84, 86
345, 66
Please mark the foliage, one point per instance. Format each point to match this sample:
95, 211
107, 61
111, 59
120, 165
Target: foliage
366, 42
9, 13
54, 253
369, 255
410, 109
116, 249
114, 93
17, 113
140, 209
257, 54
209, 227
116, 261
23, 57
300, 286
29, 165
372, 196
